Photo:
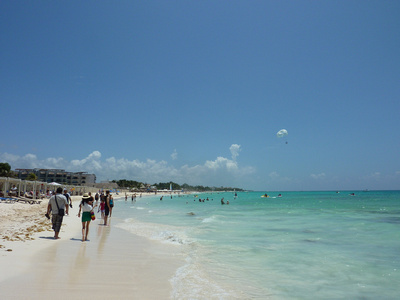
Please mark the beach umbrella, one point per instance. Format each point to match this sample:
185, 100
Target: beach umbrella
54, 183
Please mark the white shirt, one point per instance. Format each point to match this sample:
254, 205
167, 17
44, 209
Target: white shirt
61, 201
86, 207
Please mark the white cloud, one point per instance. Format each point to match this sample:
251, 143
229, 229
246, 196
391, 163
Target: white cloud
235, 149
174, 155
318, 176
91, 162
274, 175
221, 171
221, 163
376, 175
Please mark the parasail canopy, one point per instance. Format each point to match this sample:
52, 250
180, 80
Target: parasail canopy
282, 133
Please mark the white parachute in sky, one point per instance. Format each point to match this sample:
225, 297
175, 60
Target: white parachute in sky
282, 133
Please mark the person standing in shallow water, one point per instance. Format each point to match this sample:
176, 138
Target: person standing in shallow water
54, 207
86, 207
111, 203
107, 207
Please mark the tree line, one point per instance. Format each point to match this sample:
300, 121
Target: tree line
124, 183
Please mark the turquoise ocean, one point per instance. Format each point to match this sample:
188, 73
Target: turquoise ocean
303, 245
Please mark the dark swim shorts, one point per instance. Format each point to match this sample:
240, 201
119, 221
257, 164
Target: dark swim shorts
56, 220
106, 210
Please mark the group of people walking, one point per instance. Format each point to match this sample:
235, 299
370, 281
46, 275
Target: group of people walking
60, 203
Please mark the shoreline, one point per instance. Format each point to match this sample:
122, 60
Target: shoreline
26, 269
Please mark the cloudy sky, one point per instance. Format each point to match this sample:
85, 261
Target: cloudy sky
196, 91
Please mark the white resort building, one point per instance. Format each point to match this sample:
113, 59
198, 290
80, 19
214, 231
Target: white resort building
59, 176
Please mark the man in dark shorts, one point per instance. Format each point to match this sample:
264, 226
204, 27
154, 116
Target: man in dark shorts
56, 219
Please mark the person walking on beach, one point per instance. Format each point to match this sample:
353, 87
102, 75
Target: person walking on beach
86, 206
57, 205
91, 197
66, 195
97, 197
107, 207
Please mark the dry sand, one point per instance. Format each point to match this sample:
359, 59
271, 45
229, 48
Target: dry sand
113, 264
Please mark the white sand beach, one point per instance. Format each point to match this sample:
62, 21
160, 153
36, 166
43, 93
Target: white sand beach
112, 264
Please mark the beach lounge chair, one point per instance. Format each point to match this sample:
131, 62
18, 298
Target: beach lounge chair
8, 199
29, 200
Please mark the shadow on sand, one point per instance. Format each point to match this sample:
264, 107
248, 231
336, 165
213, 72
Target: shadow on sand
47, 237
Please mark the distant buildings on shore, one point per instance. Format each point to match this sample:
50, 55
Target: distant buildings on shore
59, 176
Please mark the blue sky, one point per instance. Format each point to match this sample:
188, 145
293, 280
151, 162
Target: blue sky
195, 91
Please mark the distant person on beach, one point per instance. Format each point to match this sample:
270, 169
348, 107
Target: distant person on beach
92, 199
90, 196
56, 203
111, 204
86, 206
97, 197
107, 207
222, 201
68, 197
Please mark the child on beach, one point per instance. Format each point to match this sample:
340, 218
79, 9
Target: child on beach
86, 206
102, 207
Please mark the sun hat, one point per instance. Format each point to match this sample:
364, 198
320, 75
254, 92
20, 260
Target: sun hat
86, 196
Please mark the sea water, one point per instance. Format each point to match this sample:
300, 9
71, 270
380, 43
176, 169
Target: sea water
302, 245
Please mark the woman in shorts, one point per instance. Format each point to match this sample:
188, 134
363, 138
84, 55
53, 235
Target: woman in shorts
86, 206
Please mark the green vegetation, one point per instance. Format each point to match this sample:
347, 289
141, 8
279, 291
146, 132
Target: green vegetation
5, 169
31, 177
131, 184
